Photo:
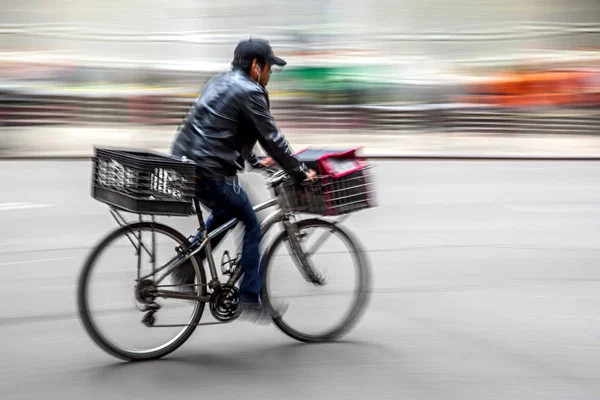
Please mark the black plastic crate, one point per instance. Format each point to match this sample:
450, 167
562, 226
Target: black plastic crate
143, 182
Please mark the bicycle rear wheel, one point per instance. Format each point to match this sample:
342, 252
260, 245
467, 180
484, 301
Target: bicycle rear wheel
109, 277
345, 269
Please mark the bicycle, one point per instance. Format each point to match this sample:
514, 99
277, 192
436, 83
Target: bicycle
156, 185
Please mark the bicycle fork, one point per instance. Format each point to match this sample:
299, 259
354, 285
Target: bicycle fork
299, 256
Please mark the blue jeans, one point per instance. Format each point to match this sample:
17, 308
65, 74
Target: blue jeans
227, 200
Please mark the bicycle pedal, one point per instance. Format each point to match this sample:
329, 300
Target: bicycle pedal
149, 319
319, 280
152, 307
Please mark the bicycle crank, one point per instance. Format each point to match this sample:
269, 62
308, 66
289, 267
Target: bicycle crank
224, 302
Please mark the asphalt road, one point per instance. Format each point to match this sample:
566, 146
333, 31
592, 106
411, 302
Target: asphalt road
485, 286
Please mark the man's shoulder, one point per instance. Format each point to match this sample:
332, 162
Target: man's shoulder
242, 83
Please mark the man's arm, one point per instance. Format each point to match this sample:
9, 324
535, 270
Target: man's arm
256, 163
253, 160
269, 136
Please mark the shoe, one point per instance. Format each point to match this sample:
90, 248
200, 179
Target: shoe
185, 289
253, 312
258, 313
184, 275
279, 308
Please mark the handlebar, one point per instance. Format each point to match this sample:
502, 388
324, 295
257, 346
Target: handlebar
276, 176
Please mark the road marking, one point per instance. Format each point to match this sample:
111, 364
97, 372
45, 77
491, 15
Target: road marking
21, 206
567, 208
36, 261
9, 243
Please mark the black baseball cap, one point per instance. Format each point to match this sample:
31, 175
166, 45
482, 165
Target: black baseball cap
248, 50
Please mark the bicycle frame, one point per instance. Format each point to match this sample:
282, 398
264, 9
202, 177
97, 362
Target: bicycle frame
298, 254
205, 243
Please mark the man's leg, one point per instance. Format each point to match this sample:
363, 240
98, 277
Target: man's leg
254, 186
219, 216
205, 192
236, 203
252, 284
228, 200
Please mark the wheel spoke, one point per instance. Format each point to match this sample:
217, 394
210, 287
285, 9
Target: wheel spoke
321, 240
346, 267
123, 334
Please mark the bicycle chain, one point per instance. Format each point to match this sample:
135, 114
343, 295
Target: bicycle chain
182, 325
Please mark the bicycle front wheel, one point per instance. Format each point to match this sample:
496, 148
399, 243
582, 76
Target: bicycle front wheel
317, 312
113, 302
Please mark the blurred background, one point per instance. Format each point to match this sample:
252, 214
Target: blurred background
441, 66
485, 273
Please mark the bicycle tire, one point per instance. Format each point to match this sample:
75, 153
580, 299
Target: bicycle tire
363, 292
84, 312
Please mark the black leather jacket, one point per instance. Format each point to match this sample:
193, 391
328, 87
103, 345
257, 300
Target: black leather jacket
223, 126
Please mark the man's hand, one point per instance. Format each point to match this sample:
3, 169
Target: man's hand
311, 175
266, 163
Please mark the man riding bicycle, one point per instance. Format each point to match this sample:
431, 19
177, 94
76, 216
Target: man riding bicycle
222, 127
